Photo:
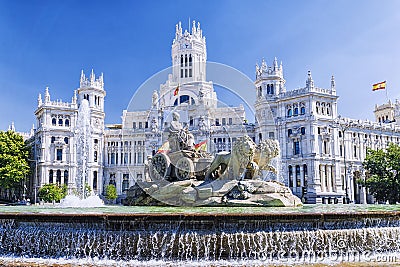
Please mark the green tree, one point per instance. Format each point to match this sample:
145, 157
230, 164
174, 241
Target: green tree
111, 192
52, 192
383, 167
14, 165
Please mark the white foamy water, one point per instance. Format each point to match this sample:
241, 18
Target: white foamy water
72, 201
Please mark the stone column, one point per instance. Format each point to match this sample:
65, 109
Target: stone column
328, 171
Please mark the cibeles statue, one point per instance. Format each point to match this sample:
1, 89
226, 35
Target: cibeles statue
183, 174
179, 137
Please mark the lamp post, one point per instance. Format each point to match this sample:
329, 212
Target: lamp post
34, 180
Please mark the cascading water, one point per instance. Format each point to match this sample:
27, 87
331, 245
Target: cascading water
141, 239
78, 194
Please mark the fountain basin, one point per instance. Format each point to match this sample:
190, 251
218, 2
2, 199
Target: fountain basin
202, 234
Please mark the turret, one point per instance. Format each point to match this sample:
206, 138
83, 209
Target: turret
269, 80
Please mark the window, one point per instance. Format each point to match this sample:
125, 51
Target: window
125, 182
66, 140
95, 156
51, 174
296, 111
60, 122
260, 137
296, 146
217, 122
140, 125
112, 158
341, 150
181, 61
290, 176
53, 139
305, 175
134, 125
289, 132
230, 121
303, 130
298, 182
326, 148
190, 60
355, 151
184, 99
302, 110
66, 177
223, 121
94, 180
67, 123
191, 121
112, 179
59, 154
271, 135
289, 112
259, 91
58, 178
54, 121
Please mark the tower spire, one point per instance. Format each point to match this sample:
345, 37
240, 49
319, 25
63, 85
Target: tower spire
47, 95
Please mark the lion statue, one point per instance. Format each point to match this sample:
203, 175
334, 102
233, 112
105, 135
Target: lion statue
233, 164
264, 153
247, 160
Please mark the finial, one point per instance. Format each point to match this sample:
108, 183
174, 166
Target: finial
92, 76
47, 95
333, 82
74, 98
40, 102
275, 64
82, 76
309, 82
11, 127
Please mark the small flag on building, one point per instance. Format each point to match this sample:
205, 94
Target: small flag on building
202, 146
379, 86
176, 90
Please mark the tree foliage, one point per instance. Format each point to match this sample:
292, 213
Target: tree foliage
111, 192
14, 153
52, 192
383, 167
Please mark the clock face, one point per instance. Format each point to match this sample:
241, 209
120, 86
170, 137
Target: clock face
186, 46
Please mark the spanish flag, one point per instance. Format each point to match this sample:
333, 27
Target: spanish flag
202, 146
176, 90
164, 148
379, 86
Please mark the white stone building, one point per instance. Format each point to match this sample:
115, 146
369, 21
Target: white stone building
321, 152
54, 141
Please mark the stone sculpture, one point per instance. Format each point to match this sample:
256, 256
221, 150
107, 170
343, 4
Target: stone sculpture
184, 176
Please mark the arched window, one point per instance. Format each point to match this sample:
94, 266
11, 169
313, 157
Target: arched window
181, 62
51, 174
184, 99
260, 136
54, 121
58, 178
303, 130
53, 139
289, 112
317, 107
271, 90
190, 60
302, 110
66, 140
289, 132
186, 60
296, 111
67, 123
66, 177
95, 156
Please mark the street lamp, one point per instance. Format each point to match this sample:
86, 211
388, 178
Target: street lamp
34, 179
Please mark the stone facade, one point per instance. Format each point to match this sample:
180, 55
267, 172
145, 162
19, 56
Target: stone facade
321, 152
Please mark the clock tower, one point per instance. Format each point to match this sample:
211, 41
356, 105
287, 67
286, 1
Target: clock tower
189, 54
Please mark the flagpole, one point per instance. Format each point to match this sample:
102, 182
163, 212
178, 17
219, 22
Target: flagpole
386, 89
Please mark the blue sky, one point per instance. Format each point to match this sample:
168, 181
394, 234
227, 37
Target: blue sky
48, 43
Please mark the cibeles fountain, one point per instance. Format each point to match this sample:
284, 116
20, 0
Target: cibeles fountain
184, 175
78, 194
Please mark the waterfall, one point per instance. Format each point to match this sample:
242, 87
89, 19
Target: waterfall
194, 241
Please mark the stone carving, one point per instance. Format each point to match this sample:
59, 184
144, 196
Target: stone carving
185, 176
